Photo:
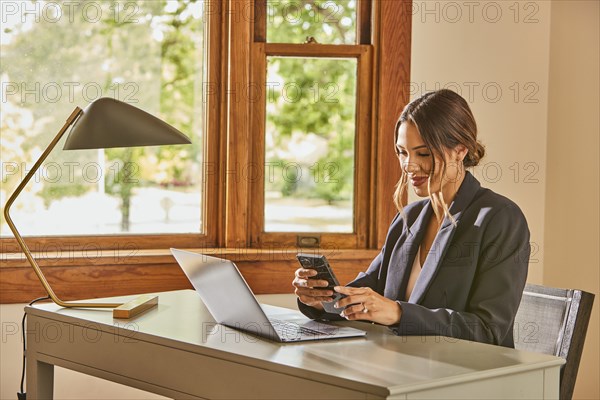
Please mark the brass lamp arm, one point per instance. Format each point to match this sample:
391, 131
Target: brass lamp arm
72, 118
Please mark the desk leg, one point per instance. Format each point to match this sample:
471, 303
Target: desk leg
40, 380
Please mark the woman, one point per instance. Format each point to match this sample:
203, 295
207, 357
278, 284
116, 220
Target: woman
453, 264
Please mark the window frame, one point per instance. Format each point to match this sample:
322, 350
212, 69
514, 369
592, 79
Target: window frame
362, 51
210, 205
362, 148
228, 202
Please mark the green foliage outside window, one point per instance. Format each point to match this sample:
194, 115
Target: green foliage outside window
312, 97
149, 53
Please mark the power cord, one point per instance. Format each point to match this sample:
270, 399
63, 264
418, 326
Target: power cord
22, 395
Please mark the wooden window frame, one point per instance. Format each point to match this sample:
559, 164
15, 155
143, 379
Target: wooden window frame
228, 200
130, 264
362, 51
363, 55
213, 27
384, 27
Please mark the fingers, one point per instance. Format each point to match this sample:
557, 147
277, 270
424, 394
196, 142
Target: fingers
359, 303
371, 307
352, 290
309, 283
357, 311
354, 295
314, 292
357, 299
314, 301
303, 279
313, 297
307, 289
354, 309
305, 272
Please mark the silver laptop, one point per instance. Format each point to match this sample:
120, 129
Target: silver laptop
231, 302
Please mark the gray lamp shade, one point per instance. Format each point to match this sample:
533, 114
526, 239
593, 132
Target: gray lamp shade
108, 123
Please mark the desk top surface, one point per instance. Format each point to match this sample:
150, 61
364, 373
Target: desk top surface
379, 362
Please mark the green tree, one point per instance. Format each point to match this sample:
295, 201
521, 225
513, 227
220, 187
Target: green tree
142, 52
314, 96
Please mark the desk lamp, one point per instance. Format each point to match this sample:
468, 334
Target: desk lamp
105, 123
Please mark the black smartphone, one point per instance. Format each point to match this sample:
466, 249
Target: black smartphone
324, 272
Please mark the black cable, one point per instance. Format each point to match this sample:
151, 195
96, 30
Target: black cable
21, 394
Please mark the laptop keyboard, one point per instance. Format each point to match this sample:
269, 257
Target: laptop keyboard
290, 331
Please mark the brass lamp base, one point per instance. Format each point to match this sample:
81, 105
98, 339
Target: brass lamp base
135, 307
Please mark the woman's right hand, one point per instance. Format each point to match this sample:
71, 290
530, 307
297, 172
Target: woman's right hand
307, 289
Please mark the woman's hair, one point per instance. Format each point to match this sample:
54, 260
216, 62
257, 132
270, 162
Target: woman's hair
444, 121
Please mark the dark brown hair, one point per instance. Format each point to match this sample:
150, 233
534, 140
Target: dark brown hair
444, 121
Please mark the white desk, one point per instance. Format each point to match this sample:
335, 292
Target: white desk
177, 351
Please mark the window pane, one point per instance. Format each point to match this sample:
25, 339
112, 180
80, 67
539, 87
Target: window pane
58, 55
328, 21
310, 131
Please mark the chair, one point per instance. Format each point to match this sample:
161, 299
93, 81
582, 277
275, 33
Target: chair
554, 321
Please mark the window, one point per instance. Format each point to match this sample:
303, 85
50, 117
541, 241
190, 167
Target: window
312, 127
310, 137
327, 21
283, 99
58, 55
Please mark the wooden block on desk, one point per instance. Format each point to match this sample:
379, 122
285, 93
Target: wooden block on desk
135, 306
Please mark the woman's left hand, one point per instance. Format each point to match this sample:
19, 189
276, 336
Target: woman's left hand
368, 305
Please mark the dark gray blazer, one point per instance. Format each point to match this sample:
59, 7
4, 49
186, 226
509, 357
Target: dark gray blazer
471, 283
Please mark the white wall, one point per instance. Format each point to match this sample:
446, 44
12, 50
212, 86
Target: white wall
547, 131
572, 207
495, 55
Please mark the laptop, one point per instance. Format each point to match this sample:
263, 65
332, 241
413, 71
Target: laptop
231, 302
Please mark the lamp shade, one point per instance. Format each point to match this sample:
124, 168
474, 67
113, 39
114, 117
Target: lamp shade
107, 123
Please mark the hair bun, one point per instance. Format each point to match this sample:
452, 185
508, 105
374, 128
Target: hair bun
474, 156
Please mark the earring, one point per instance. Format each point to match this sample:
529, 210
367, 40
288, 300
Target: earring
460, 169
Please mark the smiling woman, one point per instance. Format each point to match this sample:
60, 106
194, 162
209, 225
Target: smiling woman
415, 285
442, 139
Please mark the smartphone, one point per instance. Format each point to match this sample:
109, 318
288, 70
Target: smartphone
324, 272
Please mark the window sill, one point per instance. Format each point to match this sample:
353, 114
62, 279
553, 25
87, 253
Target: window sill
102, 273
